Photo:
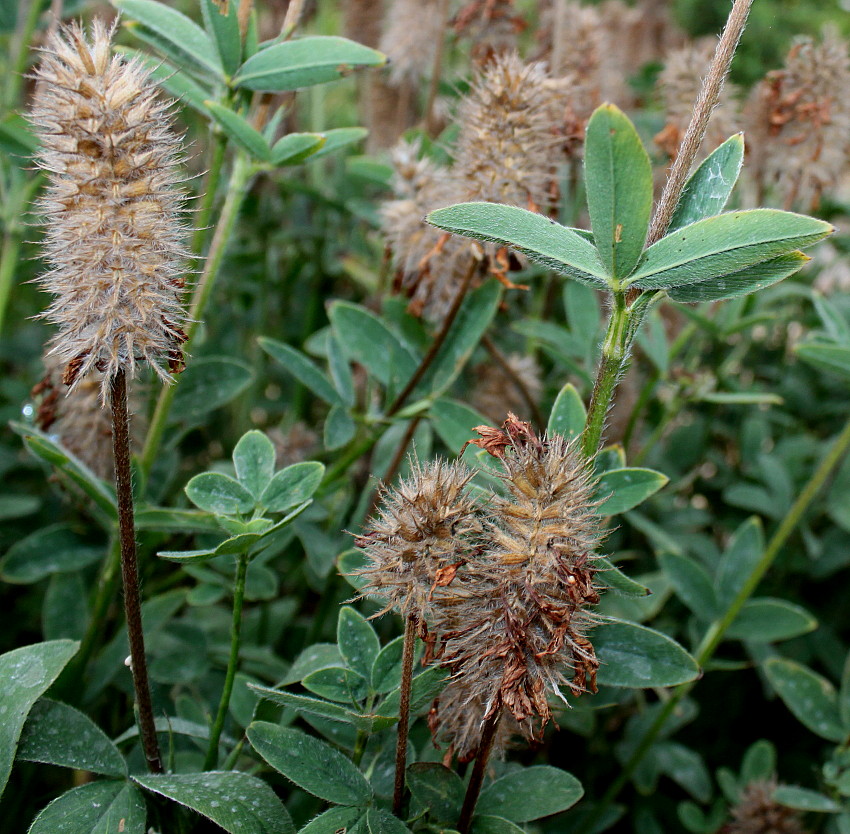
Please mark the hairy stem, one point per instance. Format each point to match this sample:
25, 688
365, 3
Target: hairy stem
233, 661
8, 265
404, 712
705, 104
200, 298
715, 633
476, 780
130, 568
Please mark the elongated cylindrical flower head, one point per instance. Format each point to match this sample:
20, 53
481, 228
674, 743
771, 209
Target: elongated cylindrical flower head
114, 237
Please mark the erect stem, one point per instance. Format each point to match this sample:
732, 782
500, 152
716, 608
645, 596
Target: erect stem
203, 290
705, 103
235, 640
715, 633
615, 354
442, 12
404, 712
130, 568
476, 780
8, 264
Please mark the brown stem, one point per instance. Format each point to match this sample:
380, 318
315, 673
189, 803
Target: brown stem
436, 344
705, 103
404, 712
395, 463
130, 568
515, 379
434, 85
476, 780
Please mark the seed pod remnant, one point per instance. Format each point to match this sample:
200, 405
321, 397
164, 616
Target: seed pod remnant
114, 237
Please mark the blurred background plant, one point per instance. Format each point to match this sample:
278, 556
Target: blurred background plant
329, 317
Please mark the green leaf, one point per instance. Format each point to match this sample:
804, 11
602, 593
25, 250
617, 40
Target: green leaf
167, 520
182, 40
235, 801
240, 131
367, 340
208, 383
736, 284
530, 793
811, 698
803, 799
338, 138
218, 493
437, 789
357, 641
623, 489
386, 670
766, 620
26, 674
65, 611
568, 414
44, 447
537, 237
380, 821
58, 734
724, 244
637, 657
303, 62
302, 368
337, 684
317, 656
310, 763
340, 369
54, 549
254, 459
426, 686
18, 506
710, 185
292, 486
335, 820
759, 762
618, 182
485, 824
739, 560
96, 808
691, 583
826, 357
612, 577
339, 428
223, 29
453, 421
296, 147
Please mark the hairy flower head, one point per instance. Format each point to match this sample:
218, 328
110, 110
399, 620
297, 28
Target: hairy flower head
757, 812
113, 234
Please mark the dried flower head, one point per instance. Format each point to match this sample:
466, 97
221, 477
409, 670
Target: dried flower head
424, 532
800, 120
114, 238
412, 31
757, 812
491, 25
679, 83
523, 633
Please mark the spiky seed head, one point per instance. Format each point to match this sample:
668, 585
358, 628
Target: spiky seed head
523, 634
112, 209
757, 812
422, 535
412, 31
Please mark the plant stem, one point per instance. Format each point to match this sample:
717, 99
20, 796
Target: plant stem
715, 633
476, 780
235, 639
615, 353
8, 264
705, 104
236, 189
404, 712
442, 12
130, 568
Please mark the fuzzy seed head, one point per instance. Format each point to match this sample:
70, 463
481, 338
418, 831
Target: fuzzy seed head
421, 537
412, 31
113, 234
524, 632
758, 813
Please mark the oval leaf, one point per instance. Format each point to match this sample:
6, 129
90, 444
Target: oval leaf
235, 801
302, 368
218, 493
254, 459
769, 620
530, 793
292, 486
240, 131
208, 383
436, 788
691, 583
622, 489
803, 799
637, 657
725, 244
311, 764
296, 147
357, 641
568, 413
53, 549
618, 178
304, 62
95, 808
537, 237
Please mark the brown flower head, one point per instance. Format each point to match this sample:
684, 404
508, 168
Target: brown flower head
412, 31
113, 234
522, 633
757, 812
424, 532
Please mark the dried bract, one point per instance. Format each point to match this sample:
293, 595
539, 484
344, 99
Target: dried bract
113, 237
758, 812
